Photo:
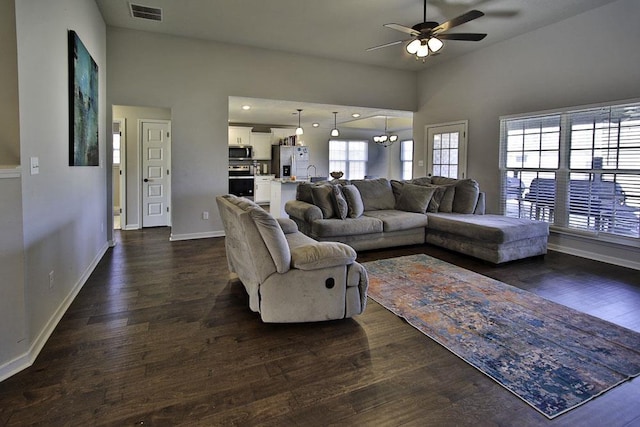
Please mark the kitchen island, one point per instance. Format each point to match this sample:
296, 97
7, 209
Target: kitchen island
282, 190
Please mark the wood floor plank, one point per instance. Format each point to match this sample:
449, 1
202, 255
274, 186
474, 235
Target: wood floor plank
161, 334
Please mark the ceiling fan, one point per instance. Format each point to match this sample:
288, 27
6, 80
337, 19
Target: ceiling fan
426, 37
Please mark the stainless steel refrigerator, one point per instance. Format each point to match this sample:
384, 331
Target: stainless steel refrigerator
288, 161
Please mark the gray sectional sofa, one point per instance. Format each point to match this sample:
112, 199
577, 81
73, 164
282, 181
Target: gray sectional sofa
378, 213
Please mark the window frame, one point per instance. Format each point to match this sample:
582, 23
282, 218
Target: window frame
353, 148
575, 207
406, 164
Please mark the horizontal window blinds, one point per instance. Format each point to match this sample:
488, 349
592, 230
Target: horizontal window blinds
578, 170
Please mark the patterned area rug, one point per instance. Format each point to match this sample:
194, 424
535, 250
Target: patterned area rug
552, 357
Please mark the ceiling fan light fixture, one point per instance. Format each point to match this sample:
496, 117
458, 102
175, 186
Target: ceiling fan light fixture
423, 49
413, 46
434, 44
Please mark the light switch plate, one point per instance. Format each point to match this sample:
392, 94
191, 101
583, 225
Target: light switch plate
35, 166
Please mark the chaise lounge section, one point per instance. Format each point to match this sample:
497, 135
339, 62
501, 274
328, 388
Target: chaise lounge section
378, 213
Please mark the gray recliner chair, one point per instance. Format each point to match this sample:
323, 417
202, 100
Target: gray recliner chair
290, 277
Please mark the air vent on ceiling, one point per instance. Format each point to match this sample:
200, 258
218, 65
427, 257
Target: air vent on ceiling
146, 12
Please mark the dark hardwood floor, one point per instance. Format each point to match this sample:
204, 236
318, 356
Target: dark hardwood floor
161, 334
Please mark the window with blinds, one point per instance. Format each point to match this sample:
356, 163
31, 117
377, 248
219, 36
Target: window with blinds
406, 158
349, 157
578, 170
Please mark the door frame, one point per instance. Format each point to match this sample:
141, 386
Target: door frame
140, 170
462, 147
122, 123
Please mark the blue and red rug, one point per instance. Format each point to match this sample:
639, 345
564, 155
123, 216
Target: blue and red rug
552, 357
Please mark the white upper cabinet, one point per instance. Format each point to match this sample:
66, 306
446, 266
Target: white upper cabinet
239, 135
261, 142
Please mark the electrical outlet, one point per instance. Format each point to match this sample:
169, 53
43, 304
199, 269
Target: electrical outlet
205, 215
51, 279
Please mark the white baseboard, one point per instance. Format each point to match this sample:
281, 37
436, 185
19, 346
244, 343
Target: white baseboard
26, 359
191, 236
594, 256
131, 227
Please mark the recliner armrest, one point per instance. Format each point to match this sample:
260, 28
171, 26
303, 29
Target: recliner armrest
288, 225
322, 255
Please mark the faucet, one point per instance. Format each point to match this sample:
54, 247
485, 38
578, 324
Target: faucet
315, 171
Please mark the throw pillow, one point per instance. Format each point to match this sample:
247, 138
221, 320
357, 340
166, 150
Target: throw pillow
424, 180
354, 201
340, 205
446, 204
466, 197
322, 198
376, 193
396, 187
303, 192
436, 199
414, 198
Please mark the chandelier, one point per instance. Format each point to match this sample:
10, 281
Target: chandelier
386, 139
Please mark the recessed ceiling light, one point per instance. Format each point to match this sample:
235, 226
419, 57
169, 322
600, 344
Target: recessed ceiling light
246, 107
355, 115
315, 125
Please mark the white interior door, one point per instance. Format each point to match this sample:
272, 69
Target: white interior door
156, 167
446, 147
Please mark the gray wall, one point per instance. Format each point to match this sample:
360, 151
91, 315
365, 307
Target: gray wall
194, 78
64, 208
565, 64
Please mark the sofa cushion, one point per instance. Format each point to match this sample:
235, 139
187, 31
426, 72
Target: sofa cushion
487, 228
322, 255
395, 220
346, 227
340, 206
322, 198
466, 196
376, 193
273, 238
414, 198
354, 200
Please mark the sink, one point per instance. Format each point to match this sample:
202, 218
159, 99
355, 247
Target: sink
319, 178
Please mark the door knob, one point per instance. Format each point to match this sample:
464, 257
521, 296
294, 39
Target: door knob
146, 180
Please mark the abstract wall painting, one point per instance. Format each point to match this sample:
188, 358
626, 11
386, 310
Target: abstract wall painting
83, 105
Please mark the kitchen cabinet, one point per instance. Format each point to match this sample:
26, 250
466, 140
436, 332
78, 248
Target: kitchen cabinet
239, 135
261, 142
262, 188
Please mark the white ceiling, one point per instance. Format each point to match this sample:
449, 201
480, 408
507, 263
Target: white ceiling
339, 29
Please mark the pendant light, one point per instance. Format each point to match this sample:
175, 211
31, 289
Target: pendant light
334, 131
299, 130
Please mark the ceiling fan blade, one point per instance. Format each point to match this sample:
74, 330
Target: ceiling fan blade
472, 37
403, 29
465, 17
385, 45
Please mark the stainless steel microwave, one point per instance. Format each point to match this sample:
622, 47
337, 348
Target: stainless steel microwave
240, 152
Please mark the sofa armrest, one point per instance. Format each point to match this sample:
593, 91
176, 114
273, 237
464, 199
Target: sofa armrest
320, 255
302, 210
288, 225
